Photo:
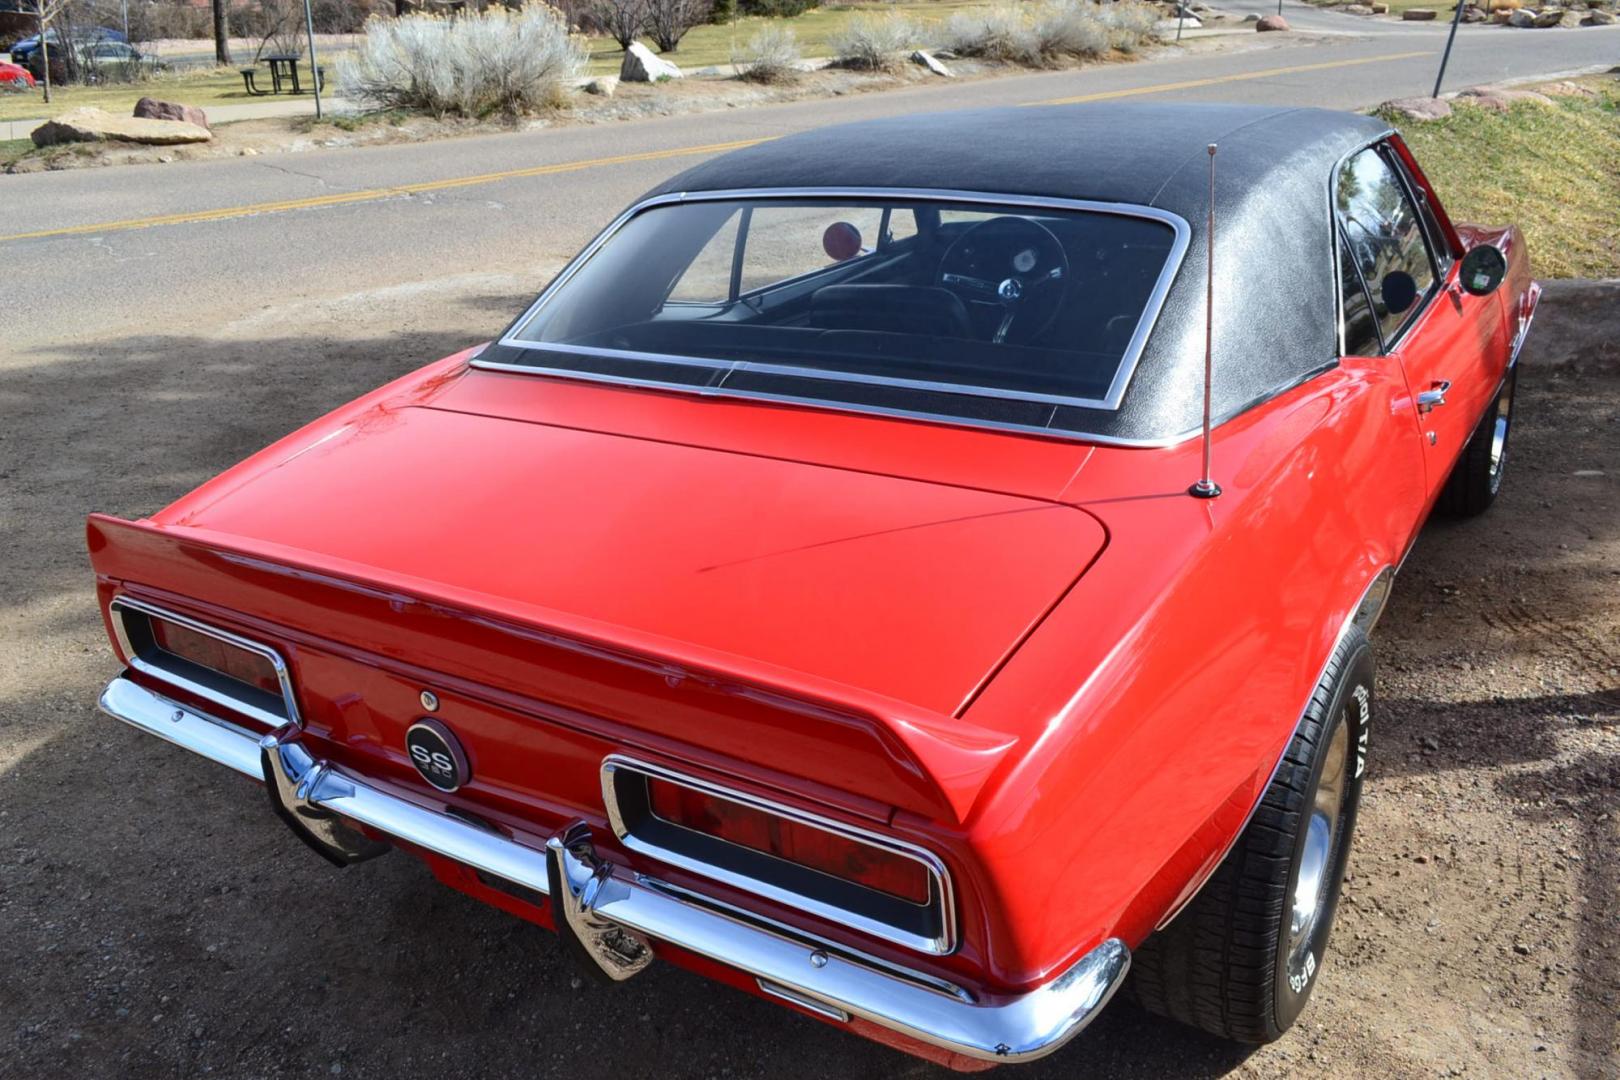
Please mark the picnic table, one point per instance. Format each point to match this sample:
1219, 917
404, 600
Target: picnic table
283, 72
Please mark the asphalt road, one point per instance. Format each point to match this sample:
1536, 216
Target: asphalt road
344, 223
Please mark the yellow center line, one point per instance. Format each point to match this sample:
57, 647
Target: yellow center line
372, 194
1190, 84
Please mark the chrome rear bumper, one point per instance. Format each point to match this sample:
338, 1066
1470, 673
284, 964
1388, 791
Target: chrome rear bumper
616, 916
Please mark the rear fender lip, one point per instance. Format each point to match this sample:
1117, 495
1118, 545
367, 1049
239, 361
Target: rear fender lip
329, 806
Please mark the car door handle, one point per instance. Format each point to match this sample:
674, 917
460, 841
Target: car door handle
1435, 395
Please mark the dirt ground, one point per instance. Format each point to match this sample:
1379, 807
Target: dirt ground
157, 921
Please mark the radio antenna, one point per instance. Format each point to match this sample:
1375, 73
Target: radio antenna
1206, 488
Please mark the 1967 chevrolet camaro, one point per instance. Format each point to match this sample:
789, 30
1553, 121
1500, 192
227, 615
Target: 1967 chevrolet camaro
808, 589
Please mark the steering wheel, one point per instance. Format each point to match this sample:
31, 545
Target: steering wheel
1011, 267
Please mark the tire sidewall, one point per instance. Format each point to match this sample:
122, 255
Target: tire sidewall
1352, 705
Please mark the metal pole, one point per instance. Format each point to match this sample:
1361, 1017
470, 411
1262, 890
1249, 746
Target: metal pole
1279, 9
314, 64
1451, 37
1181, 17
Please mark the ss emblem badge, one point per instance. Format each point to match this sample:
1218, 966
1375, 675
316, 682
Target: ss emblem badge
437, 754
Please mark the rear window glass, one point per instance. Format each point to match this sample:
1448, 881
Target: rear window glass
934, 305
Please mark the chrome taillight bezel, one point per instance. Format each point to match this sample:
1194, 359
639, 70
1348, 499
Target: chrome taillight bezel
128, 615
932, 932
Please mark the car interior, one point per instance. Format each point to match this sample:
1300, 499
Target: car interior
967, 298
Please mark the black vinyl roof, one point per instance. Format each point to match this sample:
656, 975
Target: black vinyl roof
1275, 302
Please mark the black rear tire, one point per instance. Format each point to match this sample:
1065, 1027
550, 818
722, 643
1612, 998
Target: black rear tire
1477, 476
1237, 961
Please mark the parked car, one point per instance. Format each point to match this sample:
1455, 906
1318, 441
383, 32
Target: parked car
818, 586
13, 77
82, 35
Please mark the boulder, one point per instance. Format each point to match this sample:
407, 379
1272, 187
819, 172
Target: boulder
1419, 108
96, 125
1379, 9
1271, 22
1545, 19
1570, 19
602, 85
1502, 18
927, 60
153, 109
1496, 100
1472, 14
640, 65
1357, 9
1419, 14
1251, 17
1521, 18
1598, 17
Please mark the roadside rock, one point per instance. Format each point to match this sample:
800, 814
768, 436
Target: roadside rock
1419, 108
1380, 9
1357, 9
927, 60
1251, 17
153, 109
1419, 14
1597, 17
602, 85
1548, 18
1570, 19
96, 125
1271, 22
640, 65
1522, 19
1500, 100
1472, 14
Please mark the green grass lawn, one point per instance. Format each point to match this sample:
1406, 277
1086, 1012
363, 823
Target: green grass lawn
211, 86
1552, 170
12, 149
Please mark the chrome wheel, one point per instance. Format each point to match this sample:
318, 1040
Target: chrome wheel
1313, 885
1499, 434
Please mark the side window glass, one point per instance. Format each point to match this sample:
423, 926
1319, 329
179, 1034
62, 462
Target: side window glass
708, 279
1360, 324
1431, 223
1385, 237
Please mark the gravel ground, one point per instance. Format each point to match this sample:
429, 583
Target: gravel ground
157, 920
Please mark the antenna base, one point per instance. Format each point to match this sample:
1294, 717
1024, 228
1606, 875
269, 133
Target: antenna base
1204, 489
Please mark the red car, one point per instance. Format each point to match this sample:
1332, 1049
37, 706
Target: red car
14, 77
818, 586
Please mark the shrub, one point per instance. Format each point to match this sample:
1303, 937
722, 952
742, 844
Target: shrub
868, 43
771, 56
669, 20
621, 20
473, 65
724, 11
1047, 32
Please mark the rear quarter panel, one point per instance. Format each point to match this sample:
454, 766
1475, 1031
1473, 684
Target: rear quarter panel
1155, 701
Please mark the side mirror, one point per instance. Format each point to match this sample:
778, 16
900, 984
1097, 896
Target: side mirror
1398, 290
1482, 269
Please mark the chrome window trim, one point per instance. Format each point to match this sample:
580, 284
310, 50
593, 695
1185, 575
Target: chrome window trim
1110, 400
122, 602
938, 872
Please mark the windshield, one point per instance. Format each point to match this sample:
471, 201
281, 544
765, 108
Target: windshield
963, 308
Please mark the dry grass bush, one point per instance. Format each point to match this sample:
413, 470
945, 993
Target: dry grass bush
771, 56
473, 65
875, 43
1043, 33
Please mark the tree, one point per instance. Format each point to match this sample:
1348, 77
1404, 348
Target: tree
622, 19
222, 32
44, 12
669, 20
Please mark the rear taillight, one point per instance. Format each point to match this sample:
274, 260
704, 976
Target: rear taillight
201, 661
220, 657
854, 877
830, 853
